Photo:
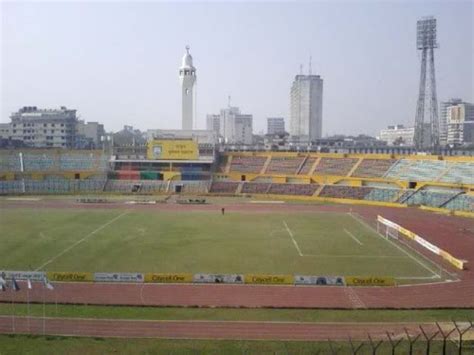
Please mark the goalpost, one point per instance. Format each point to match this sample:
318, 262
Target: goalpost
387, 231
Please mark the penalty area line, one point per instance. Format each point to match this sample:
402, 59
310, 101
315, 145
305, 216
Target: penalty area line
64, 251
293, 239
353, 236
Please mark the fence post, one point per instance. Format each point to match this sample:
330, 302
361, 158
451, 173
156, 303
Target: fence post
411, 341
334, 350
428, 339
374, 345
393, 343
355, 349
461, 333
445, 336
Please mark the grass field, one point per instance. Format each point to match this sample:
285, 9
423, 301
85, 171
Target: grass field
114, 240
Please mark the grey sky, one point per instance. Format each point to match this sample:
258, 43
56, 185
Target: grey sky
118, 62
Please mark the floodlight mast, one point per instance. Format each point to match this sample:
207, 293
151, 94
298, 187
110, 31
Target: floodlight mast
426, 42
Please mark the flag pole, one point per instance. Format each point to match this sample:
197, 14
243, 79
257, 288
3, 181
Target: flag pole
13, 310
28, 304
44, 312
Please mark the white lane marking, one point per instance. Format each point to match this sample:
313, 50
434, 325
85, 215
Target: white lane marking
352, 236
293, 239
81, 240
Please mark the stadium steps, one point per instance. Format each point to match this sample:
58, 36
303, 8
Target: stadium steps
266, 164
445, 172
229, 164
239, 188
313, 168
356, 165
405, 198
451, 198
302, 164
318, 190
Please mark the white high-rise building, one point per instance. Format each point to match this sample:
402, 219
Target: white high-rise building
306, 111
460, 119
187, 77
233, 126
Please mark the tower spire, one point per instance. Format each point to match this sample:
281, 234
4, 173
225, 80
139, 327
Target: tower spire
228, 101
301, 69
310, 69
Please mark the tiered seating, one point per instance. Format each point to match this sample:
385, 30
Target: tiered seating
418, 170
293, 189
430, 198
153, 186
308, 164
284, 165
123, 186
255, 187
460, 173
192, 187
76, 162
38, 162
350, 192
461, 203
224, 187
335, 166
373, 167
247, 164
382, 194
11, 187
10, 162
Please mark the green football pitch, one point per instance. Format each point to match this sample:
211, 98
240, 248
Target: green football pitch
114, 240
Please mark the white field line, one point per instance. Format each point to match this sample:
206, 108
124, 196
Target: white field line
293, 239
416, 277
357, 256
395, 245
64, 251
352, 236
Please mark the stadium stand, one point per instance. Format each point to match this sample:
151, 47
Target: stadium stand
293, 189
255, 188
307, 165
383, 194
224, 187
348, 192
417, 170
460, 173
284, 165
372, 168
335, 166
247, 164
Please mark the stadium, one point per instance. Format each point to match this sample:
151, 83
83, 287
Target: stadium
188, 229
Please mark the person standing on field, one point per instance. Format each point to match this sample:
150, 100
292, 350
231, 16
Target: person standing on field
223, 210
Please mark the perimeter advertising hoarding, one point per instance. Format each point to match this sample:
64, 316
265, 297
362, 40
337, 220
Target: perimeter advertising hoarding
118, 277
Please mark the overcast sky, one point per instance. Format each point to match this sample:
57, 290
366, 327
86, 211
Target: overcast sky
117, 62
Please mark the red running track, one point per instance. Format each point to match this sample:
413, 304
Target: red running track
207, 329
454, 234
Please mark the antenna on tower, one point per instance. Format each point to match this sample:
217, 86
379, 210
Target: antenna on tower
301, 69
309, 70
187, 48
228, 101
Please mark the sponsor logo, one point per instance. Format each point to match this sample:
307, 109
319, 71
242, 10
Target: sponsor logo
70, 276
370, 281
168, 278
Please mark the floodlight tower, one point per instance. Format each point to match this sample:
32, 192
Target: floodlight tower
426, 43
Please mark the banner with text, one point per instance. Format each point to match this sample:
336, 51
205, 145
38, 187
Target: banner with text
269, 279
458, 263
369, 281
169, 277
23, 275
70, 276
319, 280
118, 277
219, 278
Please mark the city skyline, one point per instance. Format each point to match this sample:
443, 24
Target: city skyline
121, 76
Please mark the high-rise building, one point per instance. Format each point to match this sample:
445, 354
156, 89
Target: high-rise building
275, 125
44, 128
443, 119
233, 126
213, 123
460, 119
306, 120
187, 77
